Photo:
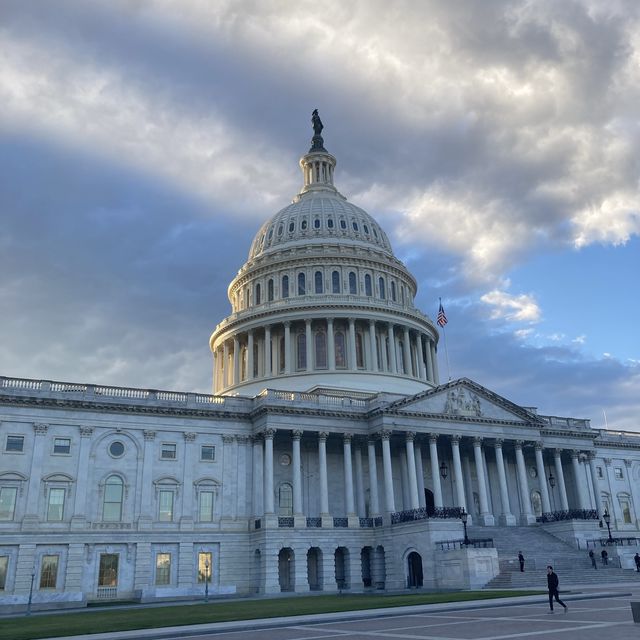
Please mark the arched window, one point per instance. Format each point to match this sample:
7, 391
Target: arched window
301, 343
335, 282
243, 362
393, 290
292, 226
258, 292
624, 500
270, 290
367, 285
359, 350
341, 354
330, 223
303, 225
343, 224
353, 288
318, 282
112, 503
246, 298
316, 223
381, 287
285, 286
301, 284
285, 499
321, 350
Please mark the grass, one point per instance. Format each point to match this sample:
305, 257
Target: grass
65, 624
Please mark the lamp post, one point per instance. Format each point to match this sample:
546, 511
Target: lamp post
33, 575
607, 519
463, 517
444, 470
206, 580
552, 480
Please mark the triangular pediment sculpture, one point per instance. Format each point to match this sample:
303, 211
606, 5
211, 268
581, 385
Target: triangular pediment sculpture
465, 399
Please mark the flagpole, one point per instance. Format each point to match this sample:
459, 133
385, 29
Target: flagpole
442, 321
446, 353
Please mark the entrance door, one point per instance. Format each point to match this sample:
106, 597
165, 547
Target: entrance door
429, 503
108, 576
414, 570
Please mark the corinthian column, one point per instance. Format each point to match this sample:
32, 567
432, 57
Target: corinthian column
557, 455
297, 475
374, 505
435, 471
546, 503
486, 518
457, 472
594, 482
578, 478
506, 518
324, 485
411, 470
268, 471
348, 476
526, 516
373, 346
392, 350
388, 474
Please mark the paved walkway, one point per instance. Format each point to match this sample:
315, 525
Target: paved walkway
592, 615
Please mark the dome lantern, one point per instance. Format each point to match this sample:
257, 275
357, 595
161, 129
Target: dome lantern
317, 165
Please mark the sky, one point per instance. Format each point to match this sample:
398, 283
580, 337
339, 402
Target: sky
143, 143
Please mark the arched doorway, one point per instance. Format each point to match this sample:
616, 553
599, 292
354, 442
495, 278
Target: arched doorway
366, 561
414, 570
341, 562
314, 568
379, 569
285, 569
429, 502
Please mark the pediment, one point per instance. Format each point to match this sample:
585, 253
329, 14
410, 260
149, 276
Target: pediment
465, 399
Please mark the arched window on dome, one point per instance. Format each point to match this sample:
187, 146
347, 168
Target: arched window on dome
368, 291
359, 350
393, 290
353, 283
301, 346
354, 224
330, 223
303, 224
280, 229
381, 288
321, 349
112, 502
335, 282
316, 223
340, 348
270, 290
258, 294
302, 289
292, 227
318, 282
343, 224
285, 286
246, 298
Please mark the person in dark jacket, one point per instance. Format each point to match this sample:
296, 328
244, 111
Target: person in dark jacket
552, 585
521, 560
592, 557
605, 557
636, 559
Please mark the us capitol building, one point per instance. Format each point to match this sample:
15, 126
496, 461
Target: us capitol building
329, 456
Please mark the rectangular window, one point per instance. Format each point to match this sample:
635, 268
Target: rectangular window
206, 506
626, 511
108, 571
208, 453
168, 451
49, 572
4, 565
600, 472
55, 508
7, 503
204, 566
166, 506
163, 568
618, 473
62, 446
15, 443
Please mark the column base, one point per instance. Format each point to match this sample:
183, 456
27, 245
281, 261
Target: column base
327, 521
269, 521
507, 520
526, 519
486, 520
300, 522
353, 521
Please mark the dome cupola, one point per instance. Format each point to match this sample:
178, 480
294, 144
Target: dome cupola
322, 302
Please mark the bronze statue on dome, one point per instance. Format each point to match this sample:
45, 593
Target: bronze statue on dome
317, 143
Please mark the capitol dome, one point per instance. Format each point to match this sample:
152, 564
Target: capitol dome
322, 302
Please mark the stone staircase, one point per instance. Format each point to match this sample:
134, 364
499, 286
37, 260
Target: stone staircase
540, 548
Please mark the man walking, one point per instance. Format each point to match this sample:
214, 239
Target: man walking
521, 560
636, 559
605, 557
592, 557
552, 585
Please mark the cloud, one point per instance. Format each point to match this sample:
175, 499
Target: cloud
518, 308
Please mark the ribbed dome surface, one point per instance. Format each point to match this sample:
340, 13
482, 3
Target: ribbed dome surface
319, 216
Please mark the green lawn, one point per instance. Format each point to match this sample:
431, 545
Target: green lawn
46, 626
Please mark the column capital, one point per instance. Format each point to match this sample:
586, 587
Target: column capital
296, 434
575, 453
498, 443
519, 444
607, 461
347, 437
557, 452
189, 436
591, 455
433, 438
268, 434
40, 428
242, 439
539, 446
86, 432
149, 435
477, 441
323, 435
385, 434
371, 441
627, 463
227, 438
287, 324
455, 439
410, 436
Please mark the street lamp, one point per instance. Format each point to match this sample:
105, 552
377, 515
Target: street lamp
33, 575
607, 519
552, 480
206, 580
444, 470
463, 516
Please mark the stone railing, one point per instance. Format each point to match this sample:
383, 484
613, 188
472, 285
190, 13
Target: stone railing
454, 545
423, 514
557, 422
101, 392
285, 522
271, 396
571, 514
314, 523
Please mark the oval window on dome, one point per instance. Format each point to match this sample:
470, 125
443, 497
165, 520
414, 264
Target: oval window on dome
316, 223
343, 224
354, 224
292, 226
330, 223
303, 225
366, 229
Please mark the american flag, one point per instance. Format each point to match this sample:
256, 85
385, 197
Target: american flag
442, 317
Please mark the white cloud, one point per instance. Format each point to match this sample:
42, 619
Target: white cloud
518, 308
582, 339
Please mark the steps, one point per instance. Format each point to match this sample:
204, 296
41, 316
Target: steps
540, 549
